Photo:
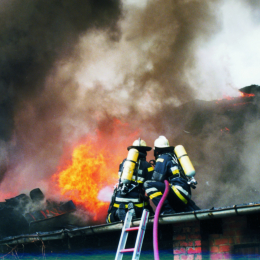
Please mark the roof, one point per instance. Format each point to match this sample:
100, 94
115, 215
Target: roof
198, 215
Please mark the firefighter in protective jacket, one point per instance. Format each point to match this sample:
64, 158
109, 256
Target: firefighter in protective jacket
130, 191
168, 168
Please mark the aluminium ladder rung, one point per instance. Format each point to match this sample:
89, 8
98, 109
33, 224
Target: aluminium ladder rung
132, 229
127, 250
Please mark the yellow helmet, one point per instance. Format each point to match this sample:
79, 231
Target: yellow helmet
140, 145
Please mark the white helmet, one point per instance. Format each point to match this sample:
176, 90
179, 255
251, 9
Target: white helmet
140, 144
161, 142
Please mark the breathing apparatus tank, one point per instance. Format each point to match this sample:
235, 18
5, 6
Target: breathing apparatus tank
184, 161
129, 168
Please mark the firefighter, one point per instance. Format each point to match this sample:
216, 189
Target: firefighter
130, 193
168, 168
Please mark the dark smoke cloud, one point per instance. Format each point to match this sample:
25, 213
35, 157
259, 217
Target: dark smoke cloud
34, 35
179, 27
172, 30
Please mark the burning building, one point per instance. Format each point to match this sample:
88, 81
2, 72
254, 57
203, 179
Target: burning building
88, 176
219, 232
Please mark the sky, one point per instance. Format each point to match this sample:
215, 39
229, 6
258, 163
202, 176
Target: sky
69, 69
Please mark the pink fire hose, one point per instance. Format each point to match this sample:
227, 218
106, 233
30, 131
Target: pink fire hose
156, 220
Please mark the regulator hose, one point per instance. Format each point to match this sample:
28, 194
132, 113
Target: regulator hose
156, 220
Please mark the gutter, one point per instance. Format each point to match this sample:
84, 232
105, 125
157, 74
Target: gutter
198, 215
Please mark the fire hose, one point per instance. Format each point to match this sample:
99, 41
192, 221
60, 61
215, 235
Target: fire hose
156, 220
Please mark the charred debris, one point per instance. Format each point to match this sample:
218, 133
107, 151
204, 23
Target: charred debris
25, 214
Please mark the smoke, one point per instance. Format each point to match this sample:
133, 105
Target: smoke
35, 37
229, 60
226, 163
70, 68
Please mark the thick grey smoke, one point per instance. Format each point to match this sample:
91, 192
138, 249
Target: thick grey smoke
35, 35
220, 137
69, 68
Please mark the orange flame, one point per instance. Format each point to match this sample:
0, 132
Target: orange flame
85, 176
228, 98
224, 98
93, 167
242, 94
225, 130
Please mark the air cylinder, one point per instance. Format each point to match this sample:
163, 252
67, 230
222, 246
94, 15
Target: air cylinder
184, 161
129, 166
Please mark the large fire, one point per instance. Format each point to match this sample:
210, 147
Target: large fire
93, 167
86, 174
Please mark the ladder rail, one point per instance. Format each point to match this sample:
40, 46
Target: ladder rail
140, 235
124, 235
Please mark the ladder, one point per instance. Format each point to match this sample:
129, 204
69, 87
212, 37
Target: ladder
139, 239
